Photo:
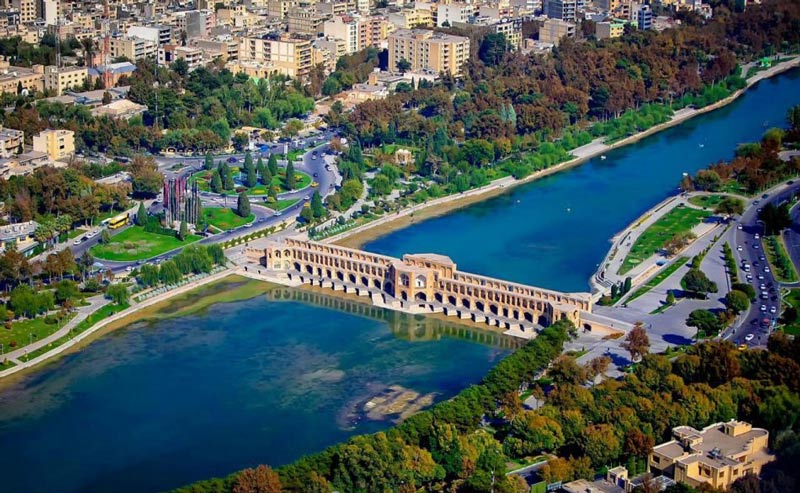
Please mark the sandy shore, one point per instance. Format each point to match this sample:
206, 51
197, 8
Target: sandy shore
357, 237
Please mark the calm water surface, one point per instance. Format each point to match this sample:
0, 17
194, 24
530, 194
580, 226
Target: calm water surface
554, 232
156, 406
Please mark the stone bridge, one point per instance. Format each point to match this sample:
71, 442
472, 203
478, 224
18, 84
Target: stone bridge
420, 283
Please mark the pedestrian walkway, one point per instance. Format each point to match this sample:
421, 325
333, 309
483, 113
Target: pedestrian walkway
95, 303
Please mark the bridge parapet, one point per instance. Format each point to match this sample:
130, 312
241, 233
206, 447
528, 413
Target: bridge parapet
421, 283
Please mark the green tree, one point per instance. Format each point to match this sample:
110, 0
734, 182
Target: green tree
183, 231
731, 206
141, 215
745, 288
252, 177
105, 237
227, 180
775, 218
697, 282
290, 180
208, 162
216, 182
705, 321
601, 444
737, 301
262, 479
626, 287
65, 289
307, 215
266, 178
272, 164
317, 208
636, 342
492, 49
403, 65
168, 272
243, 205
117, 293
707, 180
670, 297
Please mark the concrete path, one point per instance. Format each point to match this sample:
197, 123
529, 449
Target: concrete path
95, 303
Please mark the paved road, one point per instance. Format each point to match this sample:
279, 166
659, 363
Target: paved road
760, 317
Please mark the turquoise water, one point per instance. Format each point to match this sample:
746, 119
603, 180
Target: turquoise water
260, 381
157, 406
554, 232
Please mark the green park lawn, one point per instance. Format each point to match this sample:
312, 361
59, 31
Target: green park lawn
678, 220
225, 218
302, 180
137, 244
793, 299
21, 332
282, 204
706, 201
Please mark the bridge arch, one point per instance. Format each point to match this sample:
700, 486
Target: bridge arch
420, 296
298, 267
452, 300
365, 281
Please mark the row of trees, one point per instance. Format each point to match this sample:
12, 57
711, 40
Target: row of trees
588, 426
194, 259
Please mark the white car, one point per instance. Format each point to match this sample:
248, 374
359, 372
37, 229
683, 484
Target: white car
766, 269
91, 234
763, 308
77, 242
738, 226
755, 246
756, 236
749, 337
760, 277
739, 248
772, 309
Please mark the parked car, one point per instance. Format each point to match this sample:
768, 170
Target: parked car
749, 337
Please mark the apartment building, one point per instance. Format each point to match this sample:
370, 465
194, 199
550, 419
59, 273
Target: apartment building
553, 30
158, 34
426, 50
280, 8
132, 48
27, 10
328, 51
287, 55
411, 19
643, 16
350, 29
609, 29
717, 455
12, 78
169, 53
511, 29
227, 50
566, 10
449, 14
57, 144
336, 7
11, 141
58, 80
305, 21
19, 236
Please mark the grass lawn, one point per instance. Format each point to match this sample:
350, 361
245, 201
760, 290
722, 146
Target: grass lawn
706, 201
793, 299
137, 244
72, 234
225, 218
282, 204
655, 281
104, 312
782, 266
652, 239
21, 331
302, 180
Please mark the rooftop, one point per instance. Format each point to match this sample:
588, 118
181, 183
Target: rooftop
18, 230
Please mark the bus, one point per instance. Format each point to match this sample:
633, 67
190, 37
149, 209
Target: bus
119, 221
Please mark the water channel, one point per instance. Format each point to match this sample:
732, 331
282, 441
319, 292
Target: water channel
275, 376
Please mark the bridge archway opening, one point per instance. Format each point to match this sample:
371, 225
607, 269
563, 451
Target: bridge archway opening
329, 274
529, 317
376, 283
309, 269
438, 297
404, 280
587, 327
388, 287
493, 309
505, 312
277, 254
404, 296
319, 271
480, 306
420, 297
516, 314
287, 254
452, 300
297, 267
340, 275
465, 303
543, 320
419, 281
365, 281
352, 278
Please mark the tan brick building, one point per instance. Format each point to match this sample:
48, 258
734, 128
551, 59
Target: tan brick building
718, 454
427, 50
288, 56
57, 144
59, 80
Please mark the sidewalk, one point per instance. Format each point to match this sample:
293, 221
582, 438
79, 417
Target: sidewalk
95, 303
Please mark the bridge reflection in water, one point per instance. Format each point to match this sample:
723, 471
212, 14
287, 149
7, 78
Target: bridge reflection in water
404, 326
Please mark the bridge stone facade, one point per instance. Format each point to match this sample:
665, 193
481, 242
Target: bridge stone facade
420, 283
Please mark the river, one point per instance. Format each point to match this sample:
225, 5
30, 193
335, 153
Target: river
161, 404
554, 232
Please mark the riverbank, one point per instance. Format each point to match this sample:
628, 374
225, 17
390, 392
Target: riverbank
359, 236
149, 309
